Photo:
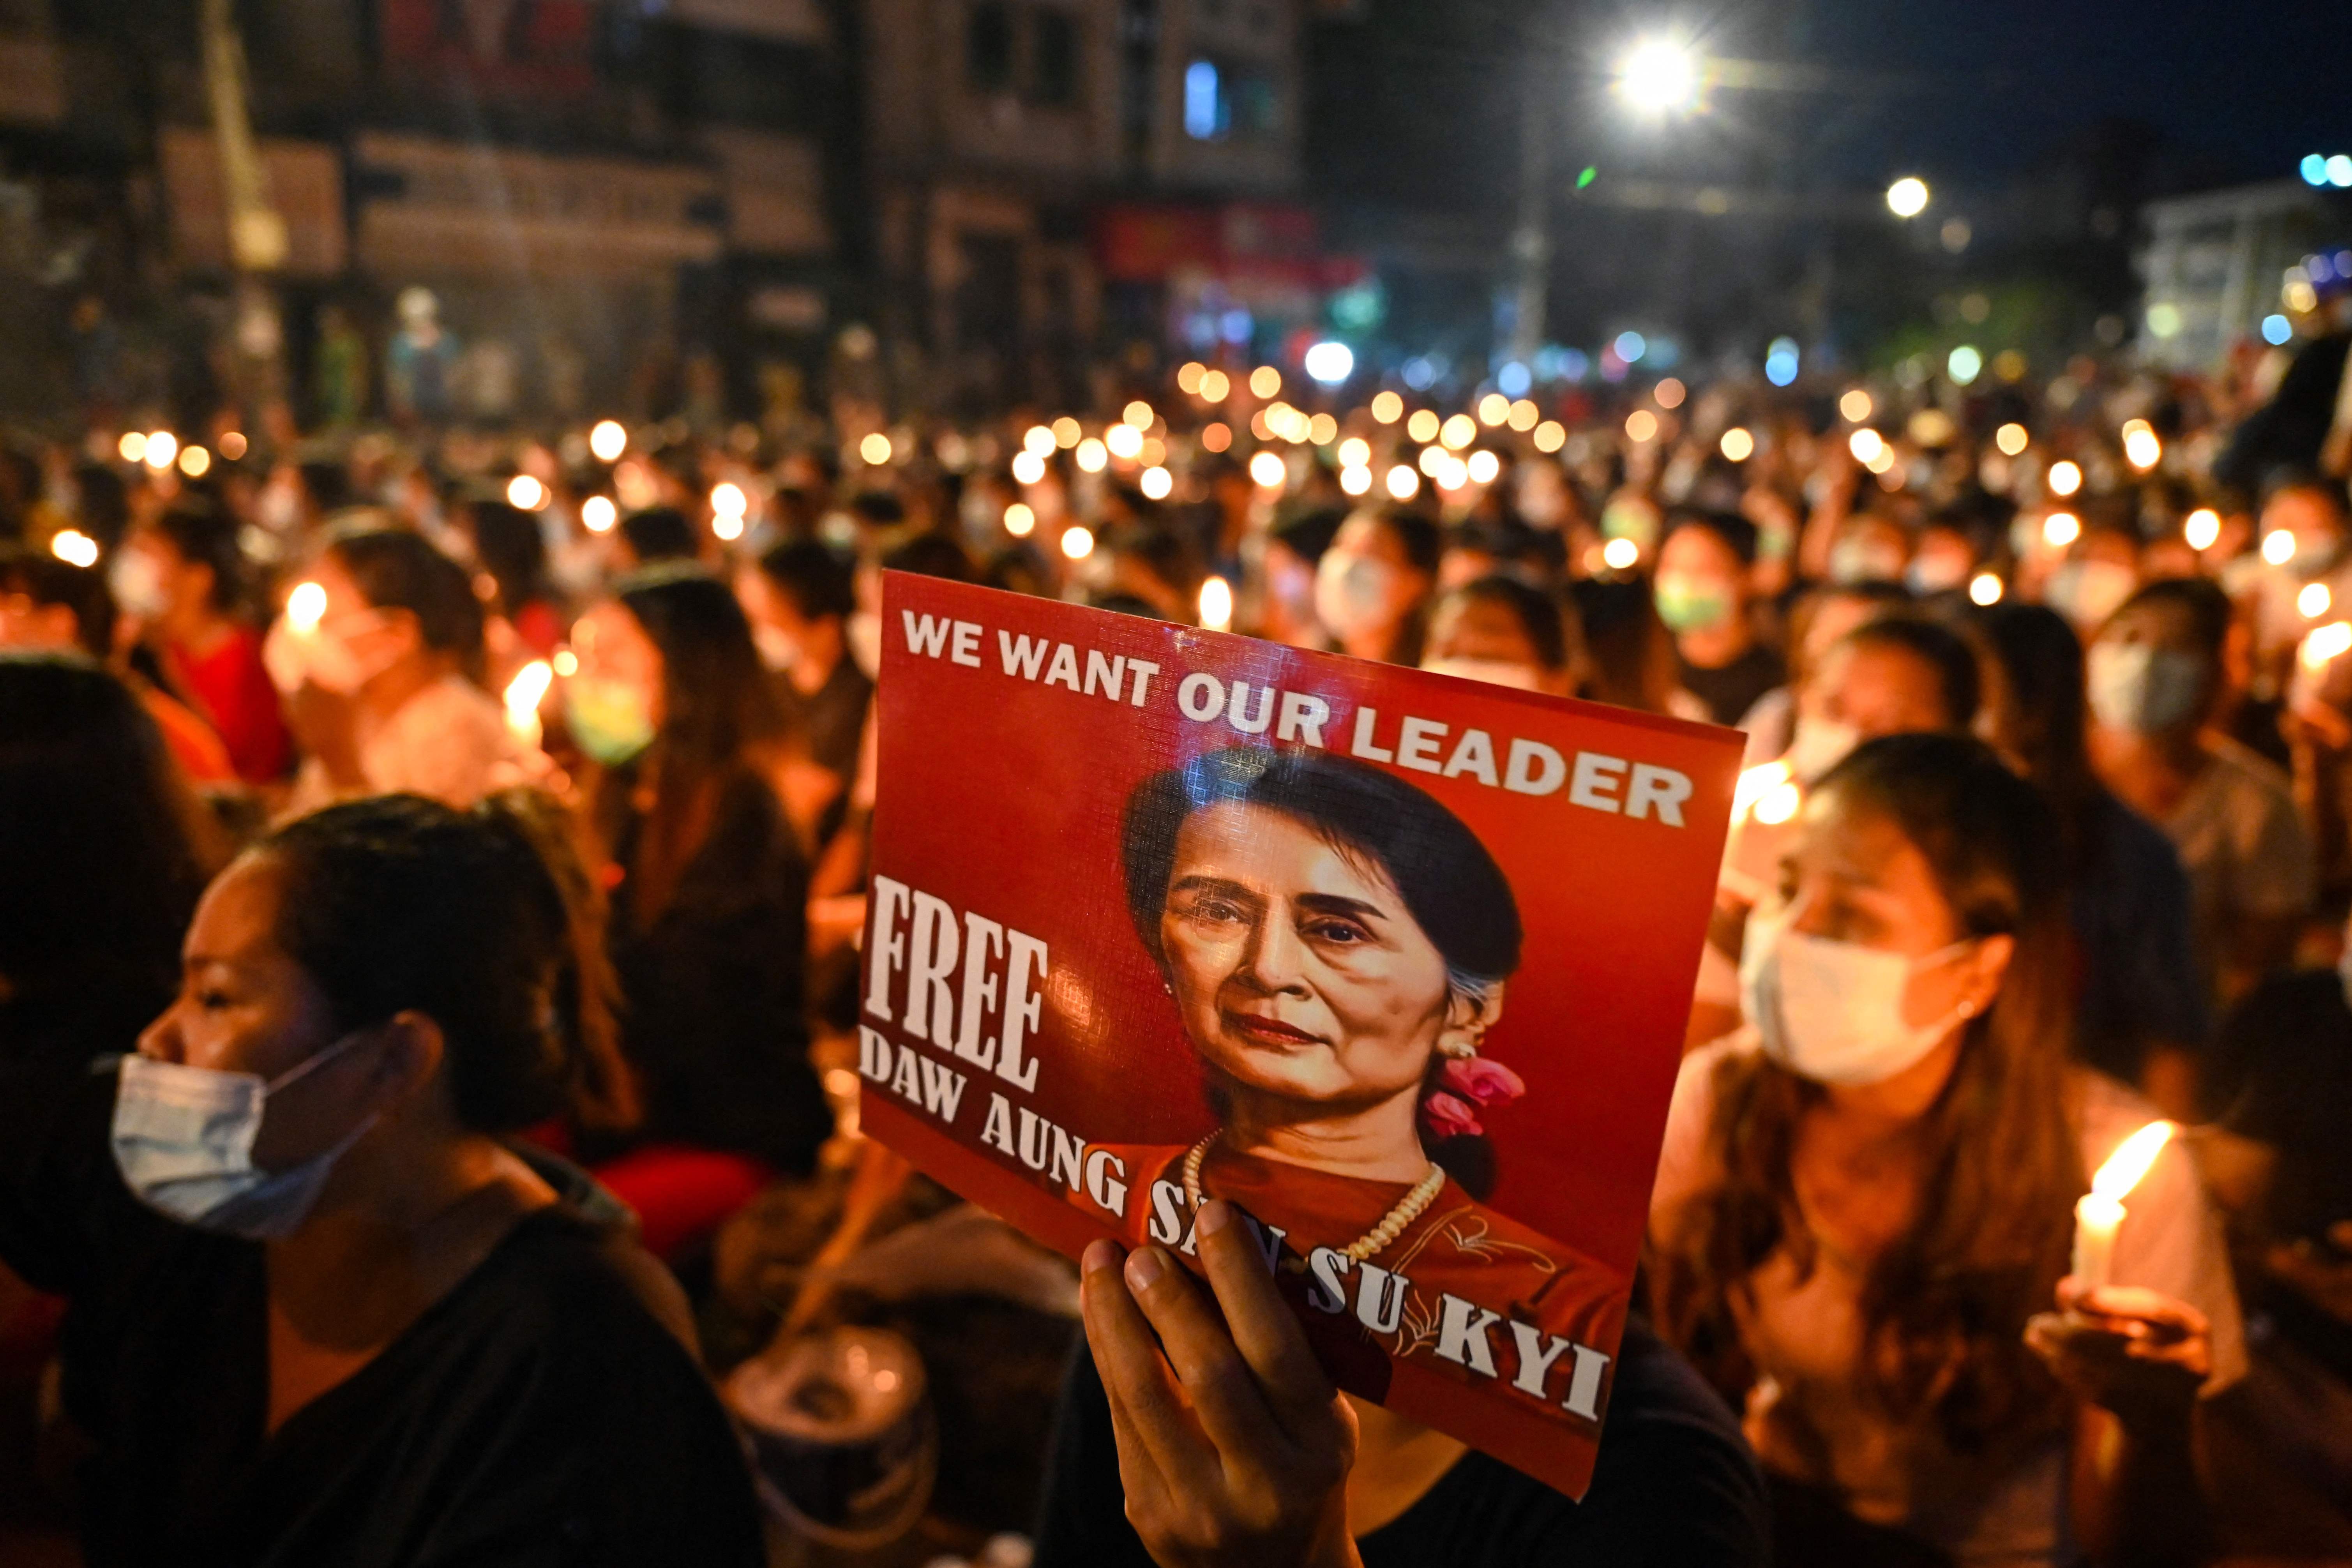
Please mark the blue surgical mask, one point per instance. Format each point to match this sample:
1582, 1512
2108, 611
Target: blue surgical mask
183, 1136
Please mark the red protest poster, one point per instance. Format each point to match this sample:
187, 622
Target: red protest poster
1396, 962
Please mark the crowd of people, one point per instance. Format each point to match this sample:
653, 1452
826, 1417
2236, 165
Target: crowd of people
449, 847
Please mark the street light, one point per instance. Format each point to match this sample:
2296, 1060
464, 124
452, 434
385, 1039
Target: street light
1659, 77
1907, 198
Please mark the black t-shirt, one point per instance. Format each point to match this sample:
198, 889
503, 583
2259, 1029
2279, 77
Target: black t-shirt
539, 1415
1676, 1485
1731, 689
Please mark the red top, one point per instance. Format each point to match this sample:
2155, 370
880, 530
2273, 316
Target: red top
199, 751
231, 690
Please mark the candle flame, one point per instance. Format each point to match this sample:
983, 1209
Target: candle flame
306, 606
525, 691
2130, 1161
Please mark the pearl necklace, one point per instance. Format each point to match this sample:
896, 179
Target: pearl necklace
1392, 1225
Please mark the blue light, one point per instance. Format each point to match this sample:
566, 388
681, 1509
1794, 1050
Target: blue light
1630, 347
1513, 380
1331, 361
2318, 267
1575, 364
2344, 264
2339, 172
1201, 101
1780, 369
2276, 328
1238, 325
2315, 169
1419, 373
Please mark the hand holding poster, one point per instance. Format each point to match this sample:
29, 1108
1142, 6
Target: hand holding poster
1397, 963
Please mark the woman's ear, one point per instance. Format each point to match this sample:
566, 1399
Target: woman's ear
1468, 1017
411, 1059
1988, 967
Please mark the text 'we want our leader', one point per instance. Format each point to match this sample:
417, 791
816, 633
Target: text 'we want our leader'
1643, 792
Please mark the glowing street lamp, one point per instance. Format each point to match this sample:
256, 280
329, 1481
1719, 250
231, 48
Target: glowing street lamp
1907, 198
1659, 76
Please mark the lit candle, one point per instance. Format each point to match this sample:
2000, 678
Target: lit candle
2099, 1213
524, 693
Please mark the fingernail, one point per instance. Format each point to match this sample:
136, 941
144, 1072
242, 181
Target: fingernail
1214, 1213
1144, 1268
1098, 1257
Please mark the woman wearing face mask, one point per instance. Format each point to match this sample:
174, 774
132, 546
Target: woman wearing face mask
1863, 1201
1285, 596
320, 1312
1498, 629
1702, 591
674, 709
1370, 585
182, 578
2155, 677
377, 653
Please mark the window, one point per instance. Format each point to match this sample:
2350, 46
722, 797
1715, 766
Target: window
1055, 74
1226, 101
988, 48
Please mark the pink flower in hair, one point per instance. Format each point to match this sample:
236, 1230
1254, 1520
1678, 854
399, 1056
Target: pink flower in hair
1481, 1081
1447, 1116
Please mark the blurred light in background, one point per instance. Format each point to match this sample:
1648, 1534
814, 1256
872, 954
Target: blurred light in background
74, 547
1216, 386
2314, 601
1458, 432
1093, 457
1524, 416
1780, 362
875, 449
133, 446
1737, 445
232, 445
607, 440
1037, 438
1484, 467
2328, 642
1670, 393
1403, 483
1964, 365
1217, 436
2277, 328
195, 462
1388, 407
1550, 436
728, 499
1985, 588
1124, 441
1356, 480
2278, 546
567, 663
1493, 408
1139, 414
1515, 379
1329, 363
2061, 529
1077, 542
1188, 378
1865, 444
2065, 477
2313, 169
1216, 604
526, 493
1907, 198
1630, 347
1067, 433
1269, 470
2202, 528
306, 606
1266, 381
1355, 452
2339, 172
2011, 438
1422, 425
1855, 406
598, 515
2142, 447
1619, 554
1641, 425
1028, 467
1157, 483
1020, 521
162, 447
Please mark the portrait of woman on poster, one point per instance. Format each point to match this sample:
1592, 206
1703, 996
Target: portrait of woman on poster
1337, 946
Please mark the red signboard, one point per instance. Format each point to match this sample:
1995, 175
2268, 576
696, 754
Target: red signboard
1396, 962
544, 47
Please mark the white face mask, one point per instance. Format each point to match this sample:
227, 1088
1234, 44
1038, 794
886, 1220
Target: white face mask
137, 585
1819, 745
777, 649
2141, 688
324, 656
183, 1139
1832, 1011
1493, 671
863, 632
1354, 594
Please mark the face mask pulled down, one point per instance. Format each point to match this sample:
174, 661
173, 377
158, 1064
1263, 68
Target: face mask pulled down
1832, 1011
183, 1138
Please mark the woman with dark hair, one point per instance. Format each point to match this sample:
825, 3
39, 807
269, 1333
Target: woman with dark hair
1374, 583
182, 578
710, 922
1337, 944
378, 654
1497, 629
320, 1311
2139, 1011
1864, 1198
106, 851
513, 551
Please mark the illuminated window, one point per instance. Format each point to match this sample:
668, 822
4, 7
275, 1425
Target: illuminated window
1222, 101
1203, 102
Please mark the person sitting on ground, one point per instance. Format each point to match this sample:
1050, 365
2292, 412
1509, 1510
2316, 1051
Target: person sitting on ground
319, 1311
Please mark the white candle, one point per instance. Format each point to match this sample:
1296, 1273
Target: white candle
2099, 1213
